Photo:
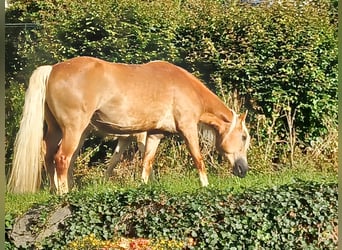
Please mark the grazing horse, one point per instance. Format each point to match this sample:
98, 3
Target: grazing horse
157, 97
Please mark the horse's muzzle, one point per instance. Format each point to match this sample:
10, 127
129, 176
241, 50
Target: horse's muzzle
240, 167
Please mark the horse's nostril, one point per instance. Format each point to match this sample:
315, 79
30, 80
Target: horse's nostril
240, 168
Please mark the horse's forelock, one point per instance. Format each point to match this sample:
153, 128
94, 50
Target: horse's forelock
244, 128
233, 122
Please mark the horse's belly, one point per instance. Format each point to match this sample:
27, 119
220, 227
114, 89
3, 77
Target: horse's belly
120, 123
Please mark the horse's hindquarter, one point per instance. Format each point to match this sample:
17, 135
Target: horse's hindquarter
72, 92
123, 98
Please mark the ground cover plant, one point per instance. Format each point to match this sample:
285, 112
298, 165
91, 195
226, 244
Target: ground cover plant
298, 215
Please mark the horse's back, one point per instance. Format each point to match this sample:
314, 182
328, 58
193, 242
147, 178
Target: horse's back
92, 79
125, 97
90, 70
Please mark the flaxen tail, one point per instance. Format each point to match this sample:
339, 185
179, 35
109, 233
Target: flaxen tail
27, 161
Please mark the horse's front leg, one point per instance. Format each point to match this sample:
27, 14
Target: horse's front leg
152, 142
190, 135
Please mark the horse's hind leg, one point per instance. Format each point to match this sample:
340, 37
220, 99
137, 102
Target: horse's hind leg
141, 140
52, 137
123, 143
63, 158
74, 156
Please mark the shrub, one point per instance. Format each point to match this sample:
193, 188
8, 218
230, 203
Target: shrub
273, 56
14, 101
301, 215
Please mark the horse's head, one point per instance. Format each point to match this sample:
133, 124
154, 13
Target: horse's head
233, 144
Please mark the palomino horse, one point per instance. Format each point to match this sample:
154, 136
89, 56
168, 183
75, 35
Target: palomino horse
156, 97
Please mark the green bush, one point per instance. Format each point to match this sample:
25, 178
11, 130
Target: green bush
274, 56
301, 215
14, 101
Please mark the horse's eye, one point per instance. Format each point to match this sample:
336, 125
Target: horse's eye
244, 138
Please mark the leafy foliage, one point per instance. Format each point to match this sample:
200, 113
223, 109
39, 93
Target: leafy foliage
274, 56
301, 215
14, 99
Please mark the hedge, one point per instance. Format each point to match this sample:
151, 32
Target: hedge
275, 56
301, 215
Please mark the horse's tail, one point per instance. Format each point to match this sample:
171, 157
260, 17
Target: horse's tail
27, 161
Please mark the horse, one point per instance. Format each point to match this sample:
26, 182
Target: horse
157, 97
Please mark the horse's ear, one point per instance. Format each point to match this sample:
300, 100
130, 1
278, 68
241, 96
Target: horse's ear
243, 116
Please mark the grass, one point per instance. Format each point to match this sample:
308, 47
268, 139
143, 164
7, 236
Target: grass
178, 183
19, 203
191, 182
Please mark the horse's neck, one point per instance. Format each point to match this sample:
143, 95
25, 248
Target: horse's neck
216, 107
216, 114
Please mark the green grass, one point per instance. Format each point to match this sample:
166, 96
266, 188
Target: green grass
252, 180
179, 183
19, 203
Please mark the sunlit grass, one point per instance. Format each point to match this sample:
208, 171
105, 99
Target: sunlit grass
19, 203
173, 182
191, 182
